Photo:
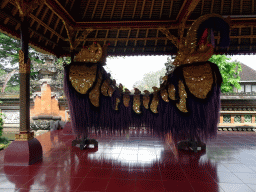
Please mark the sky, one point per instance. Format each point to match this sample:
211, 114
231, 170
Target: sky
128, 70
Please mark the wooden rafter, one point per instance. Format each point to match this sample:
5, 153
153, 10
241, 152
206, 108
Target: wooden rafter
46, 26
241, 6
171, 9
94, 10
212, 6
142, 10
49, 21
181, 9
202, 7
37, 13
86, 8
113, 8
253, 6
221, 6
123, 9
232, 5
42, 18
72, 4
134, 10
151, 10
66, 3
15, 11
157, 32
161, 11
4, 3
102, 12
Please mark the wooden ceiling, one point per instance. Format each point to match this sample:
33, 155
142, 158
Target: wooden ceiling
130, 27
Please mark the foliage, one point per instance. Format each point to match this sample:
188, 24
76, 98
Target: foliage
1, 122
150, 80
229, 72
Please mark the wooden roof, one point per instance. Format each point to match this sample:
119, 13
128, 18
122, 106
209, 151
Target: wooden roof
247, 73
130, 27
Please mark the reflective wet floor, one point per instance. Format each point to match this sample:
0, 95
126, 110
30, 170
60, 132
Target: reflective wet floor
136, 162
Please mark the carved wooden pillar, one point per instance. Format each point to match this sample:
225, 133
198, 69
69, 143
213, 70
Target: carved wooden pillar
26, 149
253, 118
232, 119
242, 118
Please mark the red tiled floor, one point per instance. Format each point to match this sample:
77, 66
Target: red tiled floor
140, 163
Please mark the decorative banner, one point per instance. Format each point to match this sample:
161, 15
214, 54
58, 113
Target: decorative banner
155, 100
146, 99
117, 103
94, 95
183, 95
164, 95
126, 98
82, 77
91, 54
136, 101
105, 87
171, 92
199, 79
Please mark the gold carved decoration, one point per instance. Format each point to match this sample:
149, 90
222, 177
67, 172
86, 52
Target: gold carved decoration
171, 92
136, 101
164, 95
23, 67
105, 87
111, 90
126, 98
25, 7
94, 94
187, 46
91, 54
82, 77
117, 103
146, 99
155, 100
199, 79
24, 136
183, 95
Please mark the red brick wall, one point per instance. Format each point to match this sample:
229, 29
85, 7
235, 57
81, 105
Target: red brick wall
46, 105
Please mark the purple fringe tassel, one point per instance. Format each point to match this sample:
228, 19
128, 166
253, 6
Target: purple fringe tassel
201, 122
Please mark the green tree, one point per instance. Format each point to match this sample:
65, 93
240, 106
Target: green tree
229, 72
150, 80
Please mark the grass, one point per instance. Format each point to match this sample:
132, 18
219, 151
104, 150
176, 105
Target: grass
4, 142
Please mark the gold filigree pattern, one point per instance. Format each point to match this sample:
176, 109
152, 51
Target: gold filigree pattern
164, 95
155, 100
105, 87
91, 54
82, 77
171, 92
117, 103
94, 94
146, 99
126, 98
23, 67
183, 95
199, 79
136, 101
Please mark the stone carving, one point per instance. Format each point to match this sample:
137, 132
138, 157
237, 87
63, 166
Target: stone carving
11, 116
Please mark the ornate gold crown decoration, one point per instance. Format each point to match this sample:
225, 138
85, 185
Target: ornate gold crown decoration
91, 54
187, 46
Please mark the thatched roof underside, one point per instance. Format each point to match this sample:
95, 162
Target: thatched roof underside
130, 27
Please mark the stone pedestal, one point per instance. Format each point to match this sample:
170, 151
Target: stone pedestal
25, 150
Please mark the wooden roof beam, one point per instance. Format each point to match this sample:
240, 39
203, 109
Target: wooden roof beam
104, 6
86, 8
187, 9
142, 10
151, 10
37, 13
113, 8
134, 10
161, 11
202, 7
96, 4
60, 11
123, 9
4, 3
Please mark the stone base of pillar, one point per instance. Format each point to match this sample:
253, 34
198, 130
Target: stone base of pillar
23, 153
67, 130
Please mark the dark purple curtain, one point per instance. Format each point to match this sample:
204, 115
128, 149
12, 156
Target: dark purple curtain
201, 120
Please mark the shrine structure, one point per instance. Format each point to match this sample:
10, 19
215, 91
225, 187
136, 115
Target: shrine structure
192, 29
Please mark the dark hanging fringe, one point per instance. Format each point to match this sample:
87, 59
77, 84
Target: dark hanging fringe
201, 122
